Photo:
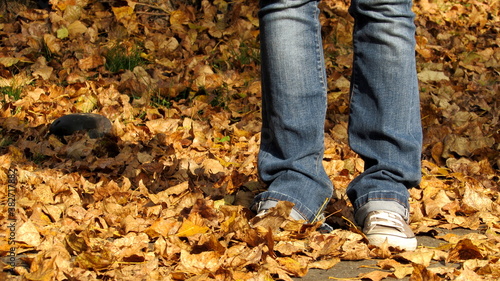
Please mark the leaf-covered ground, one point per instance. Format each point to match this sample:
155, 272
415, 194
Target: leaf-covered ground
166, 197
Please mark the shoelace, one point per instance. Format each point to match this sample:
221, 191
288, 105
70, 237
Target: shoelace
386, 219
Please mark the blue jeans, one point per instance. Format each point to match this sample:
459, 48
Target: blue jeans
384, 125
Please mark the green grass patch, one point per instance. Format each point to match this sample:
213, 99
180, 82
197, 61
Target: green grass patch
12, 92
6, 141
159, 101
39, 158
119, 58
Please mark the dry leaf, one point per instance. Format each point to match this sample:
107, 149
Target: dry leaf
28, 234
464, 250
376, 275
192, 226
421, 273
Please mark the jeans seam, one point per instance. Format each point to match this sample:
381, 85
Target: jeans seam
320, 68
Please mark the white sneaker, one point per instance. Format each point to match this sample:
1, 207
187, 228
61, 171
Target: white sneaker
381, 226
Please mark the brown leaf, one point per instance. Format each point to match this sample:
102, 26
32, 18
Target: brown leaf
52, 43
91, 62
464, 250
274, 217
421, 273
95, 260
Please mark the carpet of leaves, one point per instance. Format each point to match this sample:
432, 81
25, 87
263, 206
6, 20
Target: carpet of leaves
167, 196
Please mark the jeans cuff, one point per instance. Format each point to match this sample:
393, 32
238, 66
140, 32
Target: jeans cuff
268, 204
264, 204
299, 207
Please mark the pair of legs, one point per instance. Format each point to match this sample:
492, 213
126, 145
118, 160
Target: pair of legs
384, 125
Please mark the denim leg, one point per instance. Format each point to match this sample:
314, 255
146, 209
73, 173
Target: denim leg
384, 127
294, 106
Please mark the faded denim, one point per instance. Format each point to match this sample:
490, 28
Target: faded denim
384, 125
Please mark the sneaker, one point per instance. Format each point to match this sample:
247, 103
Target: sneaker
381, 226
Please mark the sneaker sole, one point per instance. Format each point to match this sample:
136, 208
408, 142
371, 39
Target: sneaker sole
407, 244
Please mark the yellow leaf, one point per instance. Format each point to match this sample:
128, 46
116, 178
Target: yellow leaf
293, 266
477, 199
188, 228
178, 17
62, 33
168, 125
8, 61
86, 103
400, 270
122, 12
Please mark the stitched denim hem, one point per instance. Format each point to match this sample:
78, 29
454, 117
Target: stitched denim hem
263, 204
306, 213
268, 204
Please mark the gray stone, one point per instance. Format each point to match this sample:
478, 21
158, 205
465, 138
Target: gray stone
94, 124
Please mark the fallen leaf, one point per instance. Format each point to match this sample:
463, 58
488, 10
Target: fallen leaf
464, 250
28, 234
421, 273
430, 75
190, 227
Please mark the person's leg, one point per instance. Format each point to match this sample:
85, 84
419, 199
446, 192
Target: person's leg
384, 127
294, 107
